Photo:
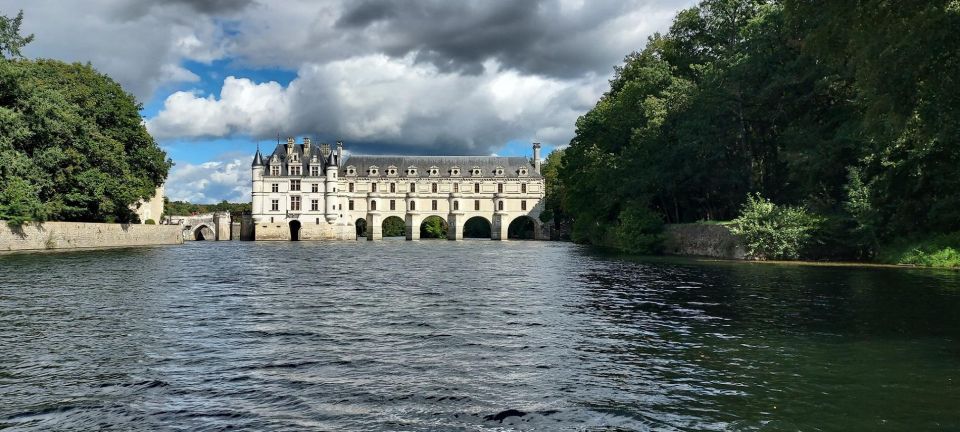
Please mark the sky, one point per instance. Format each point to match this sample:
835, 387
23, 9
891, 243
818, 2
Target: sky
217, 78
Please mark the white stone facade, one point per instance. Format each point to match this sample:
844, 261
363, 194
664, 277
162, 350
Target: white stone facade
308, 193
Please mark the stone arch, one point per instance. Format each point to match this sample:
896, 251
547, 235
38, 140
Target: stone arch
361, 226
393, 226
522, 228
204, 232
430, 228
295, 226
477, 227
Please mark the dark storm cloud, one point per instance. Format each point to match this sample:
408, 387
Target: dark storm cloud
531, 36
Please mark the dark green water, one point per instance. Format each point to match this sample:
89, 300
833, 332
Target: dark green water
438, 335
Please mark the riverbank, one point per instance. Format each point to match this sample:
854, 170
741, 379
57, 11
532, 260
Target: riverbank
64, 236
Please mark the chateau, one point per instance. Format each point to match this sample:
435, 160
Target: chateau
310, 192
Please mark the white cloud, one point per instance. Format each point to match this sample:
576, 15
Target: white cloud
388, 101
227, 177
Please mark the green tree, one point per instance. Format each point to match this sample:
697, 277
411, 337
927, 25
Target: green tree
10, 39
394, 227
433, 227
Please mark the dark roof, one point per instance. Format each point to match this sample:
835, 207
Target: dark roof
257, 158
487, 165
305, 159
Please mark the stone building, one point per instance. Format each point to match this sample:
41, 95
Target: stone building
310, 192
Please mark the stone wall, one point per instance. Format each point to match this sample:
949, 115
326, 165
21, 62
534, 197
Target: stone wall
79, 235
702, 240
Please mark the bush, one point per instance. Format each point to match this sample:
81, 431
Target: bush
150, 222
769, 231
640, 231
941, 250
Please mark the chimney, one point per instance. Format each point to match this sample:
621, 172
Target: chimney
306, 147
536, 157
339, 152
290, 144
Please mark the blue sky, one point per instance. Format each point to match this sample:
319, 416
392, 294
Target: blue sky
417, 77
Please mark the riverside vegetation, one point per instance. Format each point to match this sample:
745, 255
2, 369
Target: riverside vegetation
73, 146
823, 130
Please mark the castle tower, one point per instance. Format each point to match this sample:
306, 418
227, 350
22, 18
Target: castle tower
257, 186
331, 211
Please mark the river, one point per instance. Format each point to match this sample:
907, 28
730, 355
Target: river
438, 335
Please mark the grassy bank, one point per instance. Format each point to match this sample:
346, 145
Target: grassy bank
937, 251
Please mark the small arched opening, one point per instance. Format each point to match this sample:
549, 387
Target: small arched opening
522, 228
361, 225
393, 226
204, 232
477, 227
295, 230
433, 227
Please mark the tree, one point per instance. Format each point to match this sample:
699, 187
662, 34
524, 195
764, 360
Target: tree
10, 39
433, 227
72, 145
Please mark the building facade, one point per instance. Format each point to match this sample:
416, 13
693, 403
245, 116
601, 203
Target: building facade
310, 192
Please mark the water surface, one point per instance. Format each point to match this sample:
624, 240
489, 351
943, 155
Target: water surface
438, 335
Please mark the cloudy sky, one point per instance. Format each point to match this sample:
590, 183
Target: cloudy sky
217, 77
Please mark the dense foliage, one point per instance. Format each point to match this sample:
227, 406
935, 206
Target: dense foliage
184, 208
394, 227
770, 231
848, 110
72, 143
433, 227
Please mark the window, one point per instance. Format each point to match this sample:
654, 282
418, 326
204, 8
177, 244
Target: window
350, 205
433, 188
393, 187
434, 171
411, 171
456, 187
476, 188
314, 171
456, 205
433, 205
275, 187
393, 204
351, 170
413, 187
274, 206
294, 158
523, 188
523, 205
455, 172
373, 187
392, 171
523, 171
500, 205
295, 203
413, 206
274, 170
499, 171
372, 171
314, 205
499, 187
349, 187
294, 185
317, 221
373, 204
476, 205
271, 219
315, 187
296, 170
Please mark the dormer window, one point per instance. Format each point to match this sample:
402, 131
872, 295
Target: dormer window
498, 171
372, 171
411, 171
274, 170
475, 171
294, 158
434, 171
522, 172
392, 170
351, 170
314, 170
455, 171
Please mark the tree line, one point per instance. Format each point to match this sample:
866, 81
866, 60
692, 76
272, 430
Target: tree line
847, 111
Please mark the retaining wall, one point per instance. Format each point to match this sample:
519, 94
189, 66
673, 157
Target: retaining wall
702, 240
80, 235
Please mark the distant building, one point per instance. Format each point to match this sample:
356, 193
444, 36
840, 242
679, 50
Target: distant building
150, 209
309, 192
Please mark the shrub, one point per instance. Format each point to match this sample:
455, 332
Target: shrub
769, 231
942, 250
639, 231
150, 222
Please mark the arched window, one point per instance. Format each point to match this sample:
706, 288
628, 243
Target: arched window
456, 205
413, 205
500, 205
373, 205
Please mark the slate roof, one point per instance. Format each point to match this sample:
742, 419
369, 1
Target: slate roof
281, 153
487, 165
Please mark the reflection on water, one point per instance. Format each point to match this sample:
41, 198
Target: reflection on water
437, 335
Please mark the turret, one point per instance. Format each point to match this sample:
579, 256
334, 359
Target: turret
256, 177
536, 157
330, 193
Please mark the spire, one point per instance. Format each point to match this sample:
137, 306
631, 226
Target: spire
257, 158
